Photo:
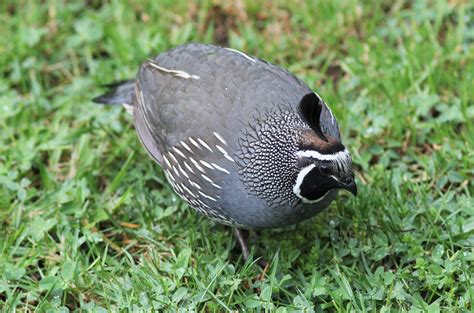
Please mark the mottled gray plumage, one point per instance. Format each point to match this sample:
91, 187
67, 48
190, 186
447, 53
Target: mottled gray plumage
225, 127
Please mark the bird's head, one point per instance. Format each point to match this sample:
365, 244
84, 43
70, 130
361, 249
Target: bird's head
323, 162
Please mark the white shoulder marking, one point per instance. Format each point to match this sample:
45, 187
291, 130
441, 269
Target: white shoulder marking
242, 54
177, 73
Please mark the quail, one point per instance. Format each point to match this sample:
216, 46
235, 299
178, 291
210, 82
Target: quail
241, 140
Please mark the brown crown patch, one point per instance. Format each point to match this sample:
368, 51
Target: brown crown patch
309, 140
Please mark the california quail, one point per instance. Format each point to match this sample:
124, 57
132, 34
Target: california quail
241, 140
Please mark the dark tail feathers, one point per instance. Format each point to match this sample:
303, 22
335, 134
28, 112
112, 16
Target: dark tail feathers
119, 93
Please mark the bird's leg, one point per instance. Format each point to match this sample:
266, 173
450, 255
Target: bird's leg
242, 242
245, 250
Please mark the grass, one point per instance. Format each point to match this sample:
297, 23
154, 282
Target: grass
88, 221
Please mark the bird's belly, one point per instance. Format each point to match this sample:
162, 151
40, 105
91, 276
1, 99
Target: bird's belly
252, 212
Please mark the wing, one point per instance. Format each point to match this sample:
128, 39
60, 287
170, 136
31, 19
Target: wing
196, 89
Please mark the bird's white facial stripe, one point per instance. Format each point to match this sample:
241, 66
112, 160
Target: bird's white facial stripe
341, 159
299, 180
340, 155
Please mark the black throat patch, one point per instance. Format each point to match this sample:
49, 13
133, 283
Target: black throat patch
315, 186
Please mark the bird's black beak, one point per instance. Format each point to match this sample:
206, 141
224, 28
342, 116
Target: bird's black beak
352, 188
349, 184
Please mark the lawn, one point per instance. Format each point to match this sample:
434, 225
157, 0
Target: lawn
88, 221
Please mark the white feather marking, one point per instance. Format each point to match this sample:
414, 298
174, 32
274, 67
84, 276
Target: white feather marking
207, 196
329, 109
207, 178
142, 99
185, 145
166, 161
335, 178
188, 167
173, 157
128, 108
206, 164
219, 137
242, 54
194, 184
178, 187
202, 203
195, 143
340, 155
216, 185
226, 155
141, 104
188, 190
183, 171
176, 170
204, 144
221, 149
196, 164
220, 168
177, 73
179, 152
169, 175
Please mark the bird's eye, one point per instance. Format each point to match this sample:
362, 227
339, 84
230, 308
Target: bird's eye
325, 170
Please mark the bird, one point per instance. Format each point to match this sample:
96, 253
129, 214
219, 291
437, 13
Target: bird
241, 140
